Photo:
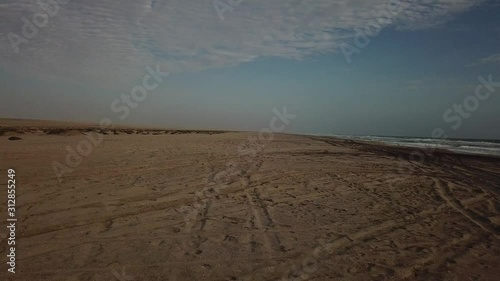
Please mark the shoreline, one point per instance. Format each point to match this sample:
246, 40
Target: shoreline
151, 199
13, 128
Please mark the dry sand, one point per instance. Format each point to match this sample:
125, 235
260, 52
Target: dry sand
155, 207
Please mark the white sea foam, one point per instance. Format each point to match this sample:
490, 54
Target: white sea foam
488, 147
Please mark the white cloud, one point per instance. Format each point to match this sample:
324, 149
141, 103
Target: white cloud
113, 39
493, 59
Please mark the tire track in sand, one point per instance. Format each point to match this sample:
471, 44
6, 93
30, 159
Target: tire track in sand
444, 192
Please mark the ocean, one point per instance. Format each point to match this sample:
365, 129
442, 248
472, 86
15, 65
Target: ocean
469, 146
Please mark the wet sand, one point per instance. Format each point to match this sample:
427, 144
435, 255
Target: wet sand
151, 204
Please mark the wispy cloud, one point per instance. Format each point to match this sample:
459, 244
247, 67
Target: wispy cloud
109, 40
432, 82
493, 59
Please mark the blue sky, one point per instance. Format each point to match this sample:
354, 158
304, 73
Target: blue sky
231, 73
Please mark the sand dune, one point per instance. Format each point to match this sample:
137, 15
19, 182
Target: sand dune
185, 205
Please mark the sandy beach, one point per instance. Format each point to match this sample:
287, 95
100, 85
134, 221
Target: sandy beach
151, 204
